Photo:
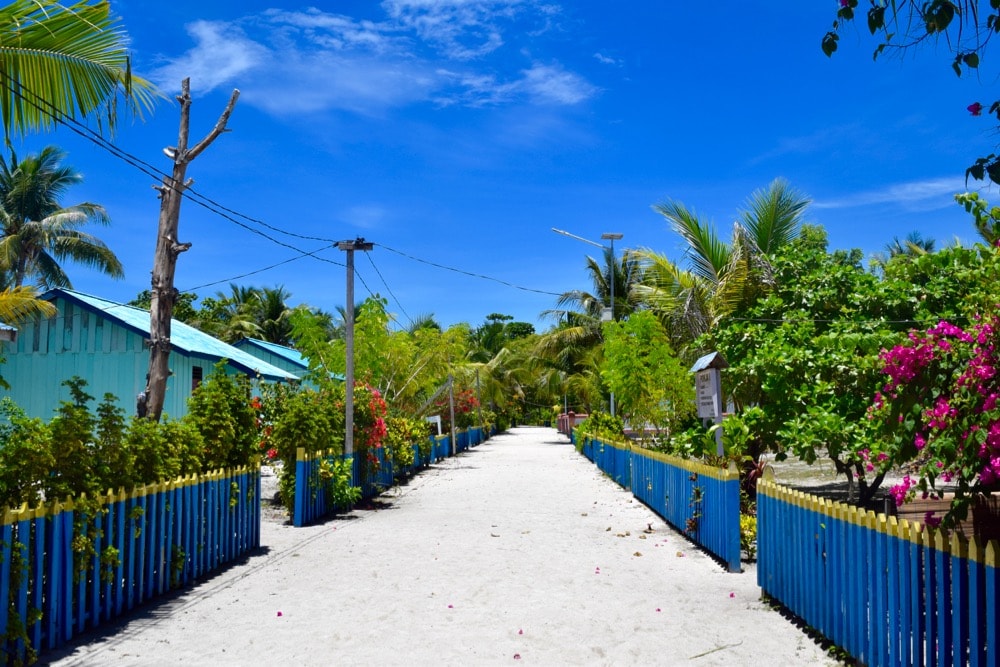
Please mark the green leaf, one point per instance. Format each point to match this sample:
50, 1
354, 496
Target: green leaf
830, 43
957, 66
876, 19
878, 51
976, 171
971, 59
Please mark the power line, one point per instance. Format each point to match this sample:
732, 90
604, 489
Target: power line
466, 273
388, 289
221, 210
262, 270
154, 172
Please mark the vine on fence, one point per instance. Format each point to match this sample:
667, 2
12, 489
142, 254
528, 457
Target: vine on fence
694, 502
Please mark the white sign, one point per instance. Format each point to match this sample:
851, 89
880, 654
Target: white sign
707, 394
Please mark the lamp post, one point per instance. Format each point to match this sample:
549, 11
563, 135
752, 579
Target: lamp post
612, 237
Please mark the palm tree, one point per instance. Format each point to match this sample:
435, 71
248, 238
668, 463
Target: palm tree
58, 60
425, 321
913, 245
622, 271
571, 352
723, 277
271, 313
36, 232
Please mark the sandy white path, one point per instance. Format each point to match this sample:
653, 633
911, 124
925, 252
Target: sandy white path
517, 552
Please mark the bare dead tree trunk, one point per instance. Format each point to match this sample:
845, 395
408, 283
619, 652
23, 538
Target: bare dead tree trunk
163, 292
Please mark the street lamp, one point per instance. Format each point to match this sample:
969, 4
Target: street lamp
612, 237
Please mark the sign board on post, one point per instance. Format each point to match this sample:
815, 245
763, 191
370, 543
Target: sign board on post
708, 391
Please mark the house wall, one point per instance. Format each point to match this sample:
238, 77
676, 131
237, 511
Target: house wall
80, 342
271, 358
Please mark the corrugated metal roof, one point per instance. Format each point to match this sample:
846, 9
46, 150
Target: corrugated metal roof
288, 353
183, 337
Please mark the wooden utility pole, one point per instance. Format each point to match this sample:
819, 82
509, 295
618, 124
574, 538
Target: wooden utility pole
163, 292
349, 247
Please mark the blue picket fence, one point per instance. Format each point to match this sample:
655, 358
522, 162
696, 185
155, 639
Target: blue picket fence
701, 501
888, 592
145, 543
312, 501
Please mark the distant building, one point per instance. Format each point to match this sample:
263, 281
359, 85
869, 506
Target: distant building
106, 344
285, 358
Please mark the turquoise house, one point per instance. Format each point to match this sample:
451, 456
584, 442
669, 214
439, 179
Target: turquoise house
105, 343
285, 358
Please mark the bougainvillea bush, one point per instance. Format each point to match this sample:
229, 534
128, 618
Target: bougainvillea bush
938, 407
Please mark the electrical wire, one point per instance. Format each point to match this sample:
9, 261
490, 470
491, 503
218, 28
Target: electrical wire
223, 211
388, 289
466, 273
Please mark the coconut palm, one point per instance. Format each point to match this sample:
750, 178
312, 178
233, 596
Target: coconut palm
37, 232
573, 348
723, 277
62, 59
271, 313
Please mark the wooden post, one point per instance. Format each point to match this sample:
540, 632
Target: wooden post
163, 293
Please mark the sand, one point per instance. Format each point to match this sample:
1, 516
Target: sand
518, 551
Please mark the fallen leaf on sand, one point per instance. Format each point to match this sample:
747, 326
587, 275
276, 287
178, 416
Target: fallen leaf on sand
680, 554
637, 553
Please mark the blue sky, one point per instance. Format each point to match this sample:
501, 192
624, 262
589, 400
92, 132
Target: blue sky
460, 132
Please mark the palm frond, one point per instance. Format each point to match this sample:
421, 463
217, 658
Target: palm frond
706, 252
63, 60
774, 215
20, 303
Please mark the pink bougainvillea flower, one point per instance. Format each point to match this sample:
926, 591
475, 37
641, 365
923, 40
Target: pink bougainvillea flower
517, 656
520, 632
451, 606
732, 595
845, 3
976, 109
280, 614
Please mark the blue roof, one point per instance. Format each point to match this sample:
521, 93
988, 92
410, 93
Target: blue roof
288, 353
183, 337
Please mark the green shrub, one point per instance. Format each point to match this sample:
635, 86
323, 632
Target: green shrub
301, 418
602, 425
220, 409
25, 456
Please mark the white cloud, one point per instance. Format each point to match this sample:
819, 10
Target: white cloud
552, 84
607, 60
222, 54
464, 29
926, 195
439, 51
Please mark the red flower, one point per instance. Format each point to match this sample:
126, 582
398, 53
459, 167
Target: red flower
976, 109
845, 3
